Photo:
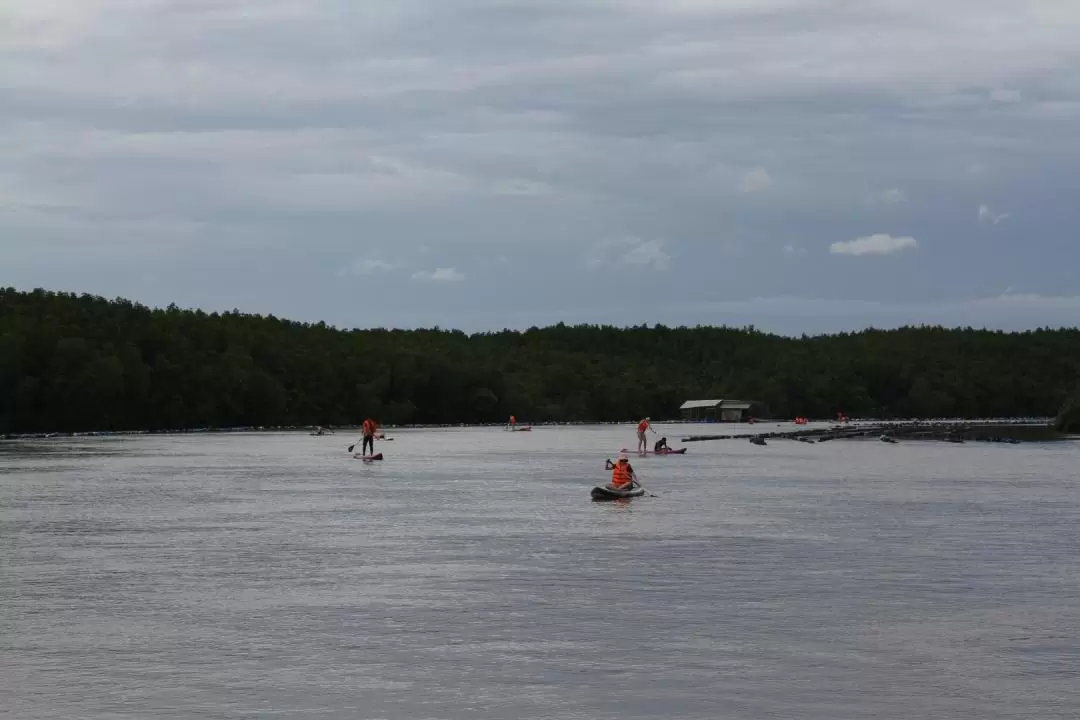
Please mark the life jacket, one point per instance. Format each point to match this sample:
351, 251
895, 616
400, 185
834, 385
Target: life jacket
620, 476
369, 427
643, 426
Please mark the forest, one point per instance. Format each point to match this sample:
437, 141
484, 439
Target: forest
72, 363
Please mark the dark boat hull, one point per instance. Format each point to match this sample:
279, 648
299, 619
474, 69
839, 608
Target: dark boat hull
601, 494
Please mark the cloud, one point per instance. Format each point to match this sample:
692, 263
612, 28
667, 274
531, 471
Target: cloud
893, 196
754, 181
877, 244
438, 275
987, 215
629, 251
649, 253
181, 139
366, 267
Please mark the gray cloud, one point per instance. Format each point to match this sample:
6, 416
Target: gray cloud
500, 145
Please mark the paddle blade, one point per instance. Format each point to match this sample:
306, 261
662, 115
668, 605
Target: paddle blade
351, 447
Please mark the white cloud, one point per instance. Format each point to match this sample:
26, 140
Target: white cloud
756, 180
630, 251
649, 253
893, 196
438, 275
988, 215
366, 267
794, 250
877, 244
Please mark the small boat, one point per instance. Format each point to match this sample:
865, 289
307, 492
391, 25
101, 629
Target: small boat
517, 429
368, 458
669, 451
887, 439
603, 493
757, 440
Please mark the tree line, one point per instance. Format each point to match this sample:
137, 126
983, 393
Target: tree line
79, 362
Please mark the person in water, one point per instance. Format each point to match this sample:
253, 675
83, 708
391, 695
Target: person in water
368, 429
642, 444
661, 446
513, 422
622, 473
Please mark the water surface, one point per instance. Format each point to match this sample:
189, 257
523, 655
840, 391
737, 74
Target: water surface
469, 576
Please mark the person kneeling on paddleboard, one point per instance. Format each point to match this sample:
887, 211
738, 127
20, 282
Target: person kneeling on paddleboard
661, 445
622, 475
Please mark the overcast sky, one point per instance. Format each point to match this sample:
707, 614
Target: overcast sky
799, 165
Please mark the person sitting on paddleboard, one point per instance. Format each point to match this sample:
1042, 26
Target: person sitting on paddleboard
642, 445
661, 445
622, 473
368, 430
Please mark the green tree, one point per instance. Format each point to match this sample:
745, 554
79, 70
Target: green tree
71, 363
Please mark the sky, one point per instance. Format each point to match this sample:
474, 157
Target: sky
803, 166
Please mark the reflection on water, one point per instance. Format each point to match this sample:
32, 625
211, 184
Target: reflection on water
469, 575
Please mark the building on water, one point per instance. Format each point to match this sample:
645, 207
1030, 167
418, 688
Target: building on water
716, 410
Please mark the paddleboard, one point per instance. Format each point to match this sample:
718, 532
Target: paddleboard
680, 451
368, 458
600, 494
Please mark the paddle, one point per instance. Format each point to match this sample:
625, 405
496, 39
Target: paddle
649, 492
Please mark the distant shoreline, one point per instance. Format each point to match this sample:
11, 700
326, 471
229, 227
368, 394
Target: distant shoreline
352, 429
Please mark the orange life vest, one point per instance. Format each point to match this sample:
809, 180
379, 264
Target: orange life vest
369, 427
643, 426
620, 476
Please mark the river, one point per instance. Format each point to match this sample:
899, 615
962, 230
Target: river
469, 576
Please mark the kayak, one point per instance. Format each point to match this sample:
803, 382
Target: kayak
606, 493
680, 451
368, 458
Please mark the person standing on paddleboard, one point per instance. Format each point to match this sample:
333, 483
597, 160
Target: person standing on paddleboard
642, 444
368, 429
